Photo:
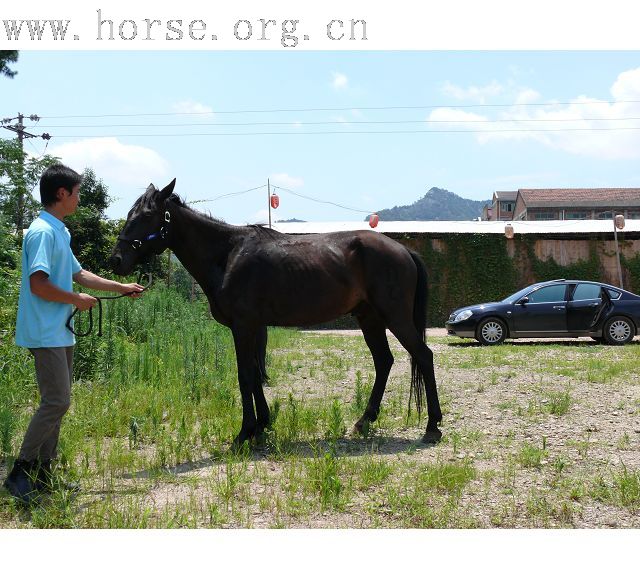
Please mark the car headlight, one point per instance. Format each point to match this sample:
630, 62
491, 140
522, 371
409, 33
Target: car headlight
463, 315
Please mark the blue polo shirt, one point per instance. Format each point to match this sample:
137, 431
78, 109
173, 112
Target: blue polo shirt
46, 247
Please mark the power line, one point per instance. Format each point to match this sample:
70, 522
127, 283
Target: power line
322, 200
392, 132
335, 109
232, 194
280, 188
355, 122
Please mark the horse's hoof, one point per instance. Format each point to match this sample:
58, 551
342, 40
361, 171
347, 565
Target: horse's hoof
239, 444
432, 436
260, 438
362, 427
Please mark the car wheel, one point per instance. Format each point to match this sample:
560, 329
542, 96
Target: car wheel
618, 330
491, 331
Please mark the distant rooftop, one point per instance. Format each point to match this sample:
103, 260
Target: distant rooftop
506, 195
596, 197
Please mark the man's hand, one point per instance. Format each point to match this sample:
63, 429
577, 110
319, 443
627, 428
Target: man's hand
132, 289
84, 302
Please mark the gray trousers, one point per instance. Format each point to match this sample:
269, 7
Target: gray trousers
54, 372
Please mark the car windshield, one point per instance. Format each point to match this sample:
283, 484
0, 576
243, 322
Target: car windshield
519, 294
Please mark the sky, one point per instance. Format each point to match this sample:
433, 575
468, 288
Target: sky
365, 129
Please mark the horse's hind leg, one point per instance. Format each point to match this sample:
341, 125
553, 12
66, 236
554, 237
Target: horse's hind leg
374, 331
262, 407
411, 340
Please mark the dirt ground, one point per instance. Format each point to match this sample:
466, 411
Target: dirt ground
596, 440
585, 472
489, 421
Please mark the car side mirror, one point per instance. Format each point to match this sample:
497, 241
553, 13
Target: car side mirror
524, 300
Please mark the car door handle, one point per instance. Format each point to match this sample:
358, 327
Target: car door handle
559, 307
594, 305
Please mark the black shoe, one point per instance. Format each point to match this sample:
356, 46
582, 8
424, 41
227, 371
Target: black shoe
48, 480
19, 482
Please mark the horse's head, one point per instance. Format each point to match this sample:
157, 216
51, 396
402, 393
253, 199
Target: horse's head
145, 231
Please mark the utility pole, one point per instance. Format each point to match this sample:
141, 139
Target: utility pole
269, 201
617, 226
19, 129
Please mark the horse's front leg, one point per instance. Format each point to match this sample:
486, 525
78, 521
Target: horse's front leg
244, 339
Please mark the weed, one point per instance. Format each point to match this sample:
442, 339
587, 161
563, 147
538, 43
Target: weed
373, 471
335, 423
360, 398
558, 402
531, 456
624, 442
325, 479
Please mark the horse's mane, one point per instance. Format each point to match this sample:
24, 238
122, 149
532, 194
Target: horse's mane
260, 229
204, 215
147, 200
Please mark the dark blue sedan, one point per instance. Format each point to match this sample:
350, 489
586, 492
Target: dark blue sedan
558, 308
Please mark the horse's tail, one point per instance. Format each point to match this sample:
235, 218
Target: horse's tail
418, 388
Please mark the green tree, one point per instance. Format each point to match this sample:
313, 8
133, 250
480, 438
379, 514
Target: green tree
19, 176
92, 235
7, 56
9, 278
8, 247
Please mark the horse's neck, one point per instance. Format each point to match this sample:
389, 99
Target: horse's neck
201, 245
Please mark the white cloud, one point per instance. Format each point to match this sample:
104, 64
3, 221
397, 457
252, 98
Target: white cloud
453, 116
339, 80
473, 93
526, 96
189, 106
340, 119
286, 180
125, 169
113, 160
586, 127
261, 217
627, 86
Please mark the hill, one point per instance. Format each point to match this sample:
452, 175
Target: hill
437, 204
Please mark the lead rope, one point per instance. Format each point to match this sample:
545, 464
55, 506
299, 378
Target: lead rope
100, 299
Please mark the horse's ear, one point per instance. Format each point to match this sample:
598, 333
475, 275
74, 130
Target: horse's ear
150, 189
167, 190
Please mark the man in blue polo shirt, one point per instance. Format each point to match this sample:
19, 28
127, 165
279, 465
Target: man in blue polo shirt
46, 302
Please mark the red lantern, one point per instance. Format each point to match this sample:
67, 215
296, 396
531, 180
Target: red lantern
373, 220
275, 201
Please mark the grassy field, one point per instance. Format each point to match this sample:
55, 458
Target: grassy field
540, 434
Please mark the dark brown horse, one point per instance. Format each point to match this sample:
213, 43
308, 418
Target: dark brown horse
255, 277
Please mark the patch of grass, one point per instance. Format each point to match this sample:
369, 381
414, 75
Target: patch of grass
324, 478
372, 471
360, 398
531, 456
335, 422
622, 489
624, 442
432, 499
558, 402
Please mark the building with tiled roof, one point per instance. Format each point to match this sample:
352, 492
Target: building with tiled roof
566, 204
502, 206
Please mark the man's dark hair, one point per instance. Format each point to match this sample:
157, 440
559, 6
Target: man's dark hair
55, 177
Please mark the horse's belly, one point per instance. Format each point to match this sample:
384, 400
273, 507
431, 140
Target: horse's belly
308, 308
